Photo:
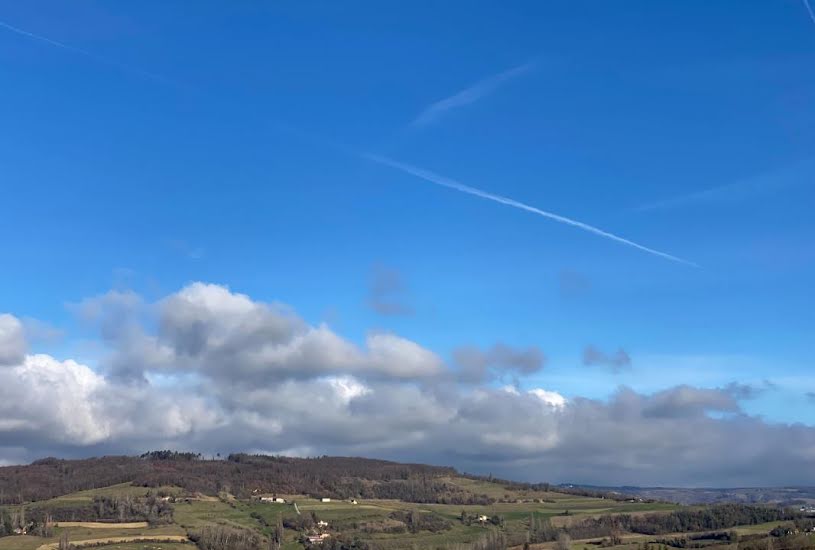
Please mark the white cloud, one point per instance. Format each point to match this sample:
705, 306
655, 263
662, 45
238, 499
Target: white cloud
550, 398
347, 388
212, 331
52, 397
227, 373
401, 358
478, 366
12, 340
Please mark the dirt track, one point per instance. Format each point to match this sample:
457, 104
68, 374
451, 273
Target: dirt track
100, 525
118, 540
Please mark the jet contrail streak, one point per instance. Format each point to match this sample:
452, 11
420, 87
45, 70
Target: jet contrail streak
452, 184
86, 53
43, 39
799, 173
809, 10
469, 95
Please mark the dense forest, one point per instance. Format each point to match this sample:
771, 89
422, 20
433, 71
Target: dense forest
151, 509
52, 477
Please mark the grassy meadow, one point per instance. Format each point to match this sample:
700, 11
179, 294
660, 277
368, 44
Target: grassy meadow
367, 520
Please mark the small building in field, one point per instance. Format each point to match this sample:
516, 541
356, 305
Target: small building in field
318, 539
325, 499
322, 524
353, 501
483, 519
273, 500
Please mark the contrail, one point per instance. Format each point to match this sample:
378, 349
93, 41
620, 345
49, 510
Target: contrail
453, 184
469, 95
788, 176
86, 53
809, 10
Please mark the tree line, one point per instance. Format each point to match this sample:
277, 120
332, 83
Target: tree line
718, 517
151, 509
18, 521
710, 518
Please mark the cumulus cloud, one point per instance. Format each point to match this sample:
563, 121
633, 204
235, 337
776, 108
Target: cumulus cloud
615, 361
398, 357
687, 401
208, 330
746, 391
67, 404
51, 400
476, 365
641, 439
551, 398
12, 340
220, 372
387, 292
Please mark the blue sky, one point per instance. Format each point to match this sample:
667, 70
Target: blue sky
162, 144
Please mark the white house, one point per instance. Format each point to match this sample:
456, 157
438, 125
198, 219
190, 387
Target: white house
483, 519
325, 499
322, 523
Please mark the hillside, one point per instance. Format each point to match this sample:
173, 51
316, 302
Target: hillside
238, 474
246, 502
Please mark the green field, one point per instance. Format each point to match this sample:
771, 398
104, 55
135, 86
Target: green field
79, 534
368, 520
150, 546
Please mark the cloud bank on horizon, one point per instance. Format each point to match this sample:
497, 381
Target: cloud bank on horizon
209, 369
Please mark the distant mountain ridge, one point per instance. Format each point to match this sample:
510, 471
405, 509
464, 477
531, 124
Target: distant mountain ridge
788, 496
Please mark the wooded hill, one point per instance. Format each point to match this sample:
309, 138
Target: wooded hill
238, 474
375, 504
